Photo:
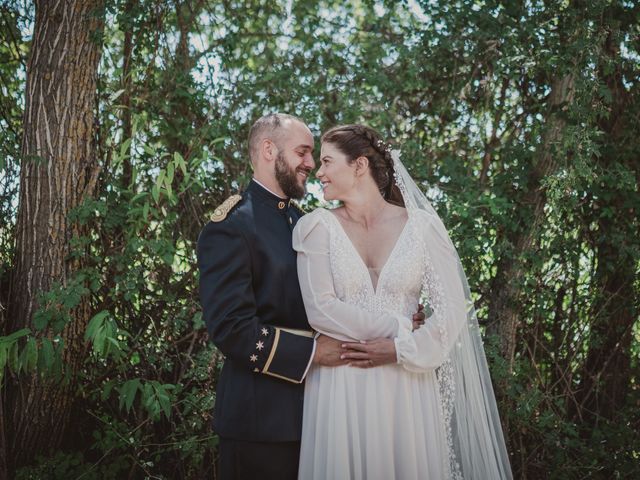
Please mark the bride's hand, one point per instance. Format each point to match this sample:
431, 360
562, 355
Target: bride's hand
370, 353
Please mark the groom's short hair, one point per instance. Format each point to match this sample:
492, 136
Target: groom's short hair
267, 126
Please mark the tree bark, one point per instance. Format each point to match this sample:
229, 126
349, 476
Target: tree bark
504, 305
605, 377
58, 172
127, 86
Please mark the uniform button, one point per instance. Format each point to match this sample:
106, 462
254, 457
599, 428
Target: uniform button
290, 220
281, 205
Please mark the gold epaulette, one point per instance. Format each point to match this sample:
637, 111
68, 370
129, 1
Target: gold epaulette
220, 213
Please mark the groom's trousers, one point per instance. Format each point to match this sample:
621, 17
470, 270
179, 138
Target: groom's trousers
240, 460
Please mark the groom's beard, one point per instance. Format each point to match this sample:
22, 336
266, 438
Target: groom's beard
288, 179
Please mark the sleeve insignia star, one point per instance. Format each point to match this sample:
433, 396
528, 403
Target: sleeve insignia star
253, 358
265, 332
260, 345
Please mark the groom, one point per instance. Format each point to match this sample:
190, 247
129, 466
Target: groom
253, 307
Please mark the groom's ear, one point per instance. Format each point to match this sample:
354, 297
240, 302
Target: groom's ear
269, 149
362, 165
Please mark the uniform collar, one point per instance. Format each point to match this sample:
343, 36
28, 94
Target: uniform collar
268, 197
270, 191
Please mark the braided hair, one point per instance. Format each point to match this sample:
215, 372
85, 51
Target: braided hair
361, 141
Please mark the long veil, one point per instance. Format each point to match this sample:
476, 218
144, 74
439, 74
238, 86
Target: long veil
476, 444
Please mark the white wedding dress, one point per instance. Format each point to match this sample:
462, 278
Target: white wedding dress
393, 421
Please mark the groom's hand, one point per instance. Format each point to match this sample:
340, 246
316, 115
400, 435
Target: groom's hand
328, 351
419, 317
370, 353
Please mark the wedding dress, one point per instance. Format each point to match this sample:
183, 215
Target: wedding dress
432, 415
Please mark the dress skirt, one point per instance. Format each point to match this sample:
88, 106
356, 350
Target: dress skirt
377, 423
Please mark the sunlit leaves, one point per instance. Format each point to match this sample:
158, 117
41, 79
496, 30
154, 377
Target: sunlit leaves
153, 396
106, 338
21, 351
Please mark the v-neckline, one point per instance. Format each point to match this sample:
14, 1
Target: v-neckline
362, 262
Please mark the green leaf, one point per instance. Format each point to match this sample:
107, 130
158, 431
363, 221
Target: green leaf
124, 148
41, 319
100, 327
115, 343
139, 196
160, 179
15, 335
95, 324
197, 320
31, 355
165, 404
148, 394
135, 358
179, 161
170, 173
185, 181
152, 400
106, 390
149, 150
47, 353
128, 393
14, 358
22, 359
3, 356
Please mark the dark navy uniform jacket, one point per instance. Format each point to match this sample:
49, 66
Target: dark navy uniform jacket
254, 313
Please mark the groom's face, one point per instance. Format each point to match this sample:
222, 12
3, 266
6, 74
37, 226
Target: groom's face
294, 161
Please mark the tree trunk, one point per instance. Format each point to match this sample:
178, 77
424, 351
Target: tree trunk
58, 172
605, 377
127, 86
507, 284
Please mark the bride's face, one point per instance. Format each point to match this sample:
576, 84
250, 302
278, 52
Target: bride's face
336, 175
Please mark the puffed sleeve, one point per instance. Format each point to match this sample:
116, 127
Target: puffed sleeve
325, 311
229, 309
428, 346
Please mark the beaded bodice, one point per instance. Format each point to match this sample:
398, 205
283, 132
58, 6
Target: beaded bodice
400, 279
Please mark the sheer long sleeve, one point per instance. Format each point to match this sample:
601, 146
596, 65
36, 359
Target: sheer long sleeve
325, 311
428, 346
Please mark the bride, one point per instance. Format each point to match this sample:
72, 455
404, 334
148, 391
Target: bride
426, 409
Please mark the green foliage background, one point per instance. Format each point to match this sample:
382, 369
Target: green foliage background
463, 87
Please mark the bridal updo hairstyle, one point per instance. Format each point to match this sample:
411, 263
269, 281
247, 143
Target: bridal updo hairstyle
361, 141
